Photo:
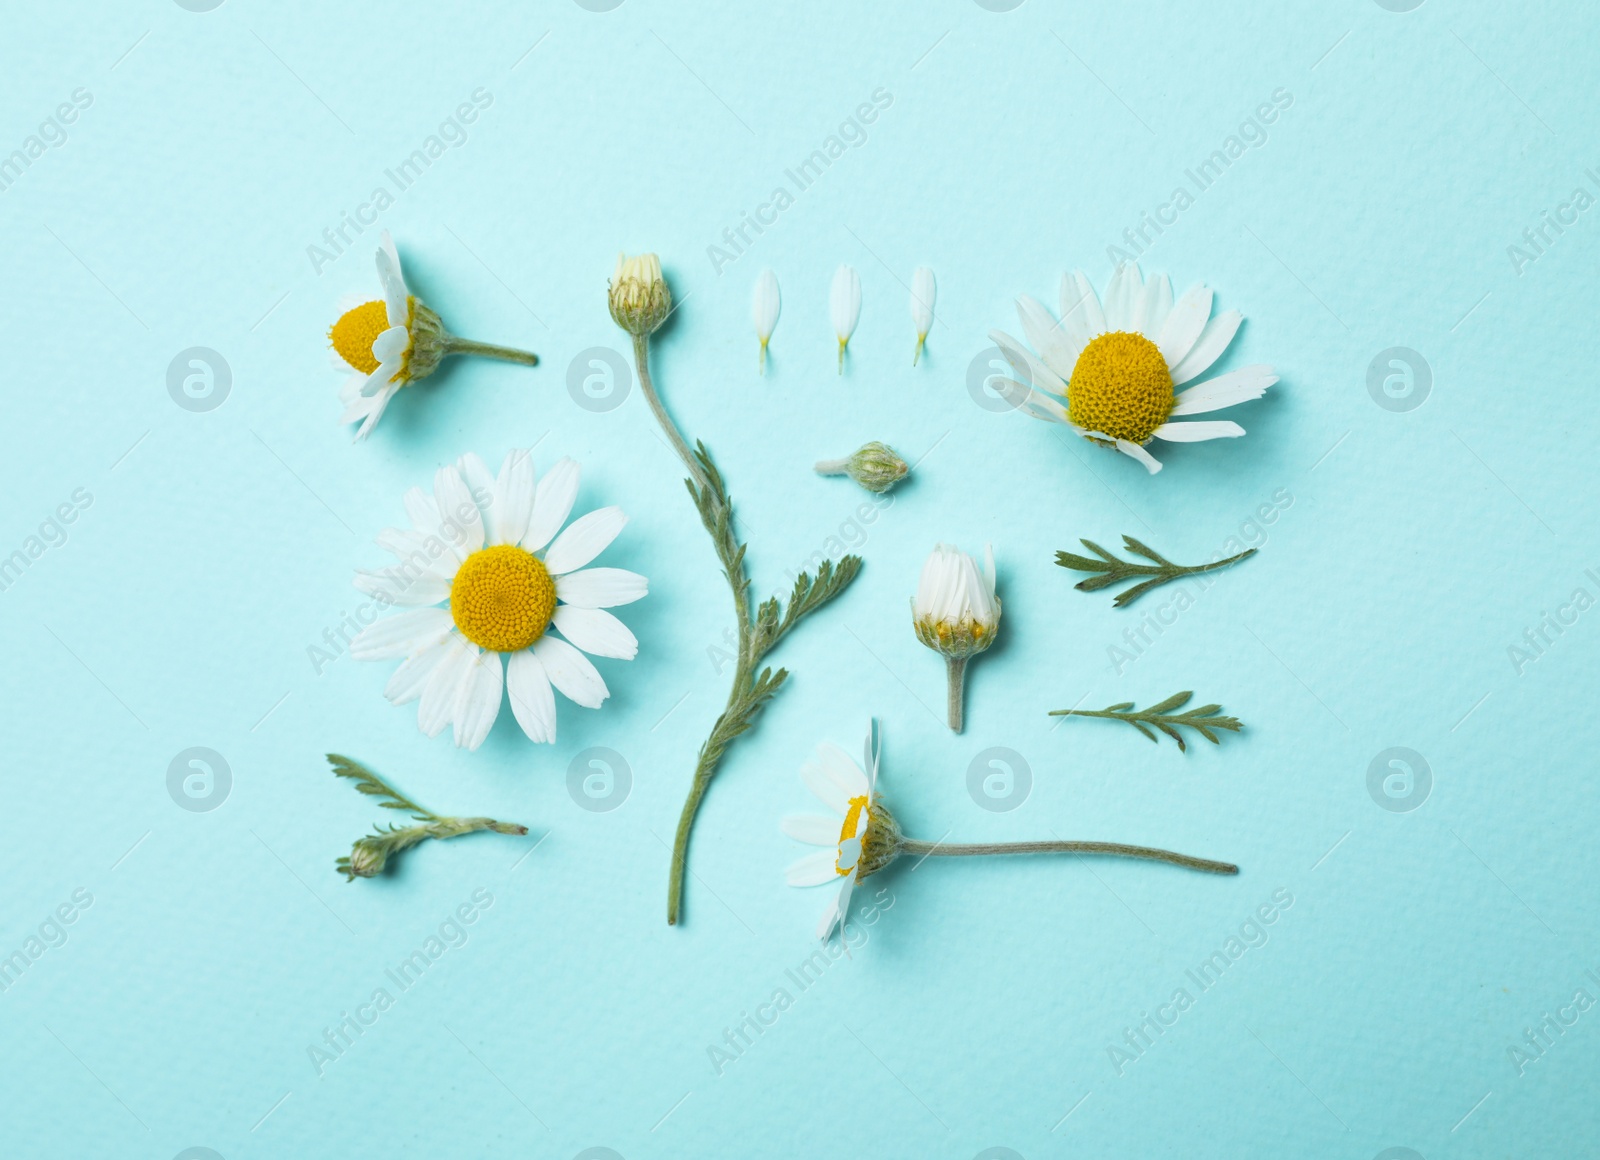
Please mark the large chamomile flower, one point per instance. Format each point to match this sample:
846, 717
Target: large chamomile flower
1108, 371
383, 344
860, 837
483, 573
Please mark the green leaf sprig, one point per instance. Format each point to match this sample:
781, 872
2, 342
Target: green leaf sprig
1111, 570
370, 854
1203, 720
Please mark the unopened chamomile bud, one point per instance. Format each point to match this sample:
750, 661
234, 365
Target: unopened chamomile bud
639, 297
875, 467
367, 858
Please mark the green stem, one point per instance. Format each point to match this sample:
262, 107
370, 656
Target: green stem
641, 360
955, 699
1114, 849
488, 350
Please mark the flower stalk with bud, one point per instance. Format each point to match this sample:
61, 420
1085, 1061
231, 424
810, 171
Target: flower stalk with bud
640, 302
956, 613
862, 837
875, 466
370, 854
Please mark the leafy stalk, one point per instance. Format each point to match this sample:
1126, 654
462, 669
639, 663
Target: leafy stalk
1203, 720
369, 854
760, 630
1111, 570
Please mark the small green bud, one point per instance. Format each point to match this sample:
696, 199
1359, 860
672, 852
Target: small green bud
875, 467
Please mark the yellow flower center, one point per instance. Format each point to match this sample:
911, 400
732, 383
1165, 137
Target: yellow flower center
502, 598
1121, 387
353, 335
856, 820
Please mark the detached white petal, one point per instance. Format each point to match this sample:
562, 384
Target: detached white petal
922, 294
1199, 432
844, 304
764, 310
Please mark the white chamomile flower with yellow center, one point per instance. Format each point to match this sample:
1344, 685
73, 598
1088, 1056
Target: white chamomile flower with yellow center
859, 837
484, 575
1108, 370
383, 344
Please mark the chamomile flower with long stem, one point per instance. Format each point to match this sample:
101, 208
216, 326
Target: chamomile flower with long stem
844, 305
764, 311
922, 293
484, 578
1108, 370
384, 344
640, 300
859, 836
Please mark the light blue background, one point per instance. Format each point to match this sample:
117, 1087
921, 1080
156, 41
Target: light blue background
218, 546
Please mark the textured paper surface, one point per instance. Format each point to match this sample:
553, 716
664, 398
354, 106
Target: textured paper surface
1408, 550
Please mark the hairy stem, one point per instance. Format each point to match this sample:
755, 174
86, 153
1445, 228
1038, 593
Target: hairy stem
1114, 849
489, 350
956, 671
641, 360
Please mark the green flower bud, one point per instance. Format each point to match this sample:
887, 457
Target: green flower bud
875, 467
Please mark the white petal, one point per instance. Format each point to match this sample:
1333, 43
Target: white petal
476, 475
836, 763
838, 911
1135, 452
1087, 314
1033, 403
1157, 306
1121, 296
401, 635
407, 682
1208, 348
513, 499
443, 690
597, 632
381, 379
570, 671
532, 702
391, 345
403, 587
844, 302
462, 522
584, 539
395, 296
1048, 338
1139, 302
829, 792
923, 290
1238, 386
601, 587
1184, 324
479, 701
1198, 432
813, 870
1032, 372
552, 503
812, 829
764, 305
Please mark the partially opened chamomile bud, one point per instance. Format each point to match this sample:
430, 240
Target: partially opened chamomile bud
875, 466
639, 297
957, 614
383, 344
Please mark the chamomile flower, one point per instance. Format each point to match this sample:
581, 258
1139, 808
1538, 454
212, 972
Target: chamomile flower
957, 614
484, 576
859, 837
1108, 371
383, 344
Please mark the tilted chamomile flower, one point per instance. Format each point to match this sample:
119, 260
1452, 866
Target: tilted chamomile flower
483, 573
956, 613
1108, 372
383, 344
859, 838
